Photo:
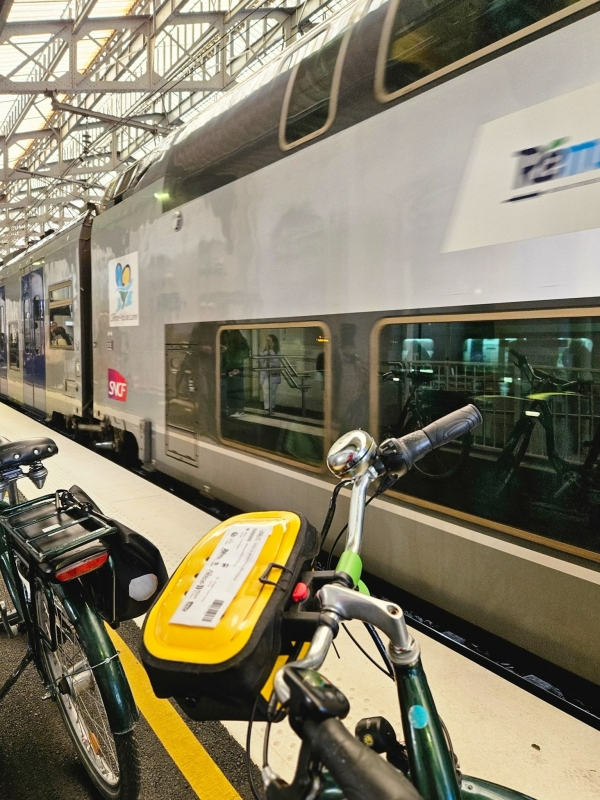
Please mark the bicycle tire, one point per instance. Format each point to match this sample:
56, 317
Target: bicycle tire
110, 759
444, 462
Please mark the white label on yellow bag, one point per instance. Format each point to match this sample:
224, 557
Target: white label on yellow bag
220, 580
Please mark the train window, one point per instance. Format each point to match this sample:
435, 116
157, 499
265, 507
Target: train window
533, 467
60, 309
310, 100
13, 345
425, 39
273, 389
38, 324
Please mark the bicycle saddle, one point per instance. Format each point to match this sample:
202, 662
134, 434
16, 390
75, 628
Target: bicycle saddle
26, 451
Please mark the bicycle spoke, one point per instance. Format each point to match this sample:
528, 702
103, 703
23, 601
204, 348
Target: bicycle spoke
82, 704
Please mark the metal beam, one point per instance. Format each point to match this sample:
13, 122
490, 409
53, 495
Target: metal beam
67, 85
84, 14
43, 133
5, 6
132, 123
57, 171
69, 28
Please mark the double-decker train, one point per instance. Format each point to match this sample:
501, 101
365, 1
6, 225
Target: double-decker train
391, 218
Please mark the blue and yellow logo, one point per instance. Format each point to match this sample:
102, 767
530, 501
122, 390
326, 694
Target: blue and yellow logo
124, 279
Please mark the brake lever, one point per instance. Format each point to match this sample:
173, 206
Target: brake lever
306, 782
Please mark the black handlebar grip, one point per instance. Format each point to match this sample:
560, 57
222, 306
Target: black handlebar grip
359, 772
453, 425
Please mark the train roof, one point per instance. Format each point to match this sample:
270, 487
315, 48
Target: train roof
43, 246
154, 166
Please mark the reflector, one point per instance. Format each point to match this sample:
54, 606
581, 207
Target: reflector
82, 567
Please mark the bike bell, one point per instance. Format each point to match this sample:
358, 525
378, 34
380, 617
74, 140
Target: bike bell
352, 454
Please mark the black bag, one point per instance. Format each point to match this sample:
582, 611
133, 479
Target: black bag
127, 588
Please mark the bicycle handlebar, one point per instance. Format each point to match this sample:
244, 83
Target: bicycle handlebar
399, 455
536, 374
359, 772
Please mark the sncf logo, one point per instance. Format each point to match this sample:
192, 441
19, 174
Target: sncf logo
117, 386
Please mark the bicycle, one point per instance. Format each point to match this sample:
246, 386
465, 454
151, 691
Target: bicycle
188, 641
543, 387
423, 405
48, 548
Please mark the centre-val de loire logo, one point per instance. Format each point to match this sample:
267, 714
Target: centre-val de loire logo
117, 386
124, 280
538, 166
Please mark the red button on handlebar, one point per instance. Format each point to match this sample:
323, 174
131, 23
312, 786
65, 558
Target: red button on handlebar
300, 592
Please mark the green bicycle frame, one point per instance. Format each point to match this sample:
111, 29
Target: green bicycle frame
431, 763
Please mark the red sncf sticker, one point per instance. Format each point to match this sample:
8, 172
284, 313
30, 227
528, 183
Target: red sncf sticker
117, 386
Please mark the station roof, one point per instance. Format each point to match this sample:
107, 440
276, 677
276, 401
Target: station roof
87, 87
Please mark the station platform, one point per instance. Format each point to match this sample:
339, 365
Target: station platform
500, 732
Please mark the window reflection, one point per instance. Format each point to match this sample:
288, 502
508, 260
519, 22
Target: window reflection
428, 35
13, 345
60, 306
535, 461
272, 394
311, 107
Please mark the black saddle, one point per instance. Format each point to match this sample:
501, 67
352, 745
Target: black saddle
26, 451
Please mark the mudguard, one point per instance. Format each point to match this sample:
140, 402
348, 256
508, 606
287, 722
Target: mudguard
108, 670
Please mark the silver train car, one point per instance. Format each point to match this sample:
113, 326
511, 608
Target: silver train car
380, 225
45, 325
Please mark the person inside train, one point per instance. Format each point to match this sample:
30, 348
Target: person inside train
234, 354
58, 336
270, 371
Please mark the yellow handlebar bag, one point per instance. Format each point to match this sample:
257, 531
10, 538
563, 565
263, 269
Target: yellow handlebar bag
213, 638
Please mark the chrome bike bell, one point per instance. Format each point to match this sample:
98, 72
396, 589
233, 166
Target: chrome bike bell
352, 454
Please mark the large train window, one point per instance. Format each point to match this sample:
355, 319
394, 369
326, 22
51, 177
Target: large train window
273, 389
310, 100
533, 467
13, 345
425, 39
60, 308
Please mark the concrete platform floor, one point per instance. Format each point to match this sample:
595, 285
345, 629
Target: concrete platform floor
500, 732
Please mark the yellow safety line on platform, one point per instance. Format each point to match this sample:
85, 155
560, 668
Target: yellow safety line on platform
198, 768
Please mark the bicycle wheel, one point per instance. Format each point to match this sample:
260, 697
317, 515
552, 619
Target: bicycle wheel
110, 759
443, 462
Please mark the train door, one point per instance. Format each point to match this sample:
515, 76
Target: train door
182, 402
34, 351
3, 343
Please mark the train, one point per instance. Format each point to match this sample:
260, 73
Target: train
397, 215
